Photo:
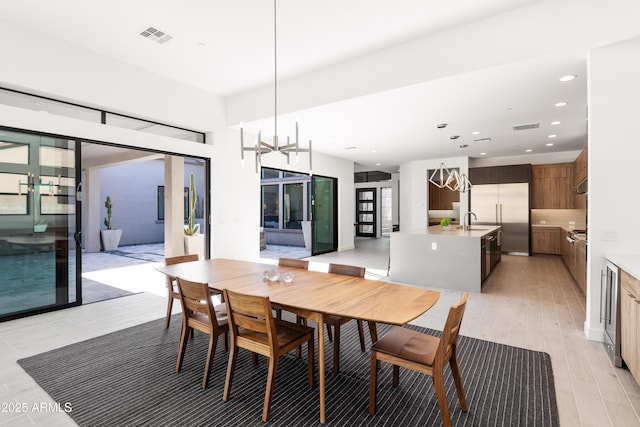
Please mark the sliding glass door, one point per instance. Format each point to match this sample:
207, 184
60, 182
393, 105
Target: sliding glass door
324, 204
38, 223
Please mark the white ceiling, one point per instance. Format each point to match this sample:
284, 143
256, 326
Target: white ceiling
226, 47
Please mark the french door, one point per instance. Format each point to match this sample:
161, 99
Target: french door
39, 220
366, 212
324, 214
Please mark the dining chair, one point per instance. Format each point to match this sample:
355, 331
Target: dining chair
200, 313
423, 353
337, 321
254, 328
291, 263
172, 283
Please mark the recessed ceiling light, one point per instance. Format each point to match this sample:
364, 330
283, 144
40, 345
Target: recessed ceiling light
549, 144
560, 104
373, 151
557, 122
552, 136
464, 145
350, 148
567, 78
483, 154
378, 164
475, 132
454, 137
528, 150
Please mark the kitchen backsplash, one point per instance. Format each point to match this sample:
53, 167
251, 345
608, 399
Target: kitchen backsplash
558, 217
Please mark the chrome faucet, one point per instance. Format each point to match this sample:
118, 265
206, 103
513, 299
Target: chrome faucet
464, 220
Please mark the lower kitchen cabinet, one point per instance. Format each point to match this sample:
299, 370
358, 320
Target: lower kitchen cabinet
630, 322
544, 240
568, 252
581, 265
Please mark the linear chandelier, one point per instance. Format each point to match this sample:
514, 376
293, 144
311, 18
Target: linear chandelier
442, 177
261, 147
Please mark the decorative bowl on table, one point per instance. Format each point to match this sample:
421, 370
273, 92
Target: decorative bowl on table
287, 277
273, 275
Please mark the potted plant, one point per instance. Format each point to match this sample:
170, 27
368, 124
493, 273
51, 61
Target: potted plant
193, 240
446, 223
109, 237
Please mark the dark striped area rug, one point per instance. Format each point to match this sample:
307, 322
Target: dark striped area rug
127, 378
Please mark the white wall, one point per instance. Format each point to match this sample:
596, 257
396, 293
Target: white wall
614, 152
414, 196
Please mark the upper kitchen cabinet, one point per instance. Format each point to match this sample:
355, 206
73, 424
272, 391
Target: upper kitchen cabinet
579, 175
580, 167
552, 186
500, 174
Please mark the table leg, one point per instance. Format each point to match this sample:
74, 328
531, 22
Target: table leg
317, 317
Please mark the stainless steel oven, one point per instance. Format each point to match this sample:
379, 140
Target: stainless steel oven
610, 311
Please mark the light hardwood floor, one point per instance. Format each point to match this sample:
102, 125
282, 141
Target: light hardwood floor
529, 302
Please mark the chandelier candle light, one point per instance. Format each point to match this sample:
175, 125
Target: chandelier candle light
262, 147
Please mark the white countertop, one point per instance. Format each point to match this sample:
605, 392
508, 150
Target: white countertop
456, 231
628, 262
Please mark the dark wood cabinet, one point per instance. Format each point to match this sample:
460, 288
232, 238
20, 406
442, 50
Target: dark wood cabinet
500, 174
442, 198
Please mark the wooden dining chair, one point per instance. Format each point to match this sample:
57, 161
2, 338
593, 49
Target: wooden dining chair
172, 283
200, 313
337, 321
423, 353
291, 263
254, 328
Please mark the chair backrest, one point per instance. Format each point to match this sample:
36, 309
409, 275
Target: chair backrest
347, 270
251, 313
180, 259
451, 330
177, 260
196, 298
293, 263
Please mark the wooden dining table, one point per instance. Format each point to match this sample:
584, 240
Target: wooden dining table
313, 295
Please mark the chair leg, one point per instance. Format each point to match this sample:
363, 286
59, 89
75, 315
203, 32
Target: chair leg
231, 367
441, 394
169, 307
396, 376
182, 346
361, 334
329, 334
300, 321
278, 313
455, 370
271, 382
336, 349
373, 331
373, 383
213, 339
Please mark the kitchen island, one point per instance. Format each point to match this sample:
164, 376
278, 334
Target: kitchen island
454, 259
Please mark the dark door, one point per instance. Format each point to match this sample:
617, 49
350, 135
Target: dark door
324, 214
366, 212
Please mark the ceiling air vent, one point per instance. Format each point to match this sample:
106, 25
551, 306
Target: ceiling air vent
156, 35
482, 140
528, 126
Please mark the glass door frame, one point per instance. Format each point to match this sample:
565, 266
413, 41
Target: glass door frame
315, 250
61, 277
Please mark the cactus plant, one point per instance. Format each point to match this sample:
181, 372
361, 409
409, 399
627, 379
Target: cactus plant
191, 229
107, 221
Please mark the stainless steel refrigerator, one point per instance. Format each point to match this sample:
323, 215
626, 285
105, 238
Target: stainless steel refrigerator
506, 205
